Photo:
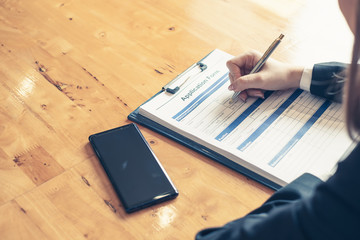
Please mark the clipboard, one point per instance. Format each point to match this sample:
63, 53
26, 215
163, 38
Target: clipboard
146, 122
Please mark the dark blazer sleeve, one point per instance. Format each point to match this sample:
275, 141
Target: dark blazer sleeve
305, 209
328, 80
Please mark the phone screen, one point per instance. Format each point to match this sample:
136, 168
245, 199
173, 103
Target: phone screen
133, 169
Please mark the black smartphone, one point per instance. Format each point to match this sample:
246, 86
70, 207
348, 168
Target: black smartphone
132, 167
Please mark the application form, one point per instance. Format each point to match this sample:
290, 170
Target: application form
279, 137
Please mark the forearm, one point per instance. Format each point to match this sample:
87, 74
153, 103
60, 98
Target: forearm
269, 219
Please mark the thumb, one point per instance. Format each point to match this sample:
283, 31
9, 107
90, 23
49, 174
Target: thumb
247, 81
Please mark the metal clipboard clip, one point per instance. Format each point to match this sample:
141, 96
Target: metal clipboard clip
191, 71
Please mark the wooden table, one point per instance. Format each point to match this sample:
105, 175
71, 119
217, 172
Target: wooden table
70, 68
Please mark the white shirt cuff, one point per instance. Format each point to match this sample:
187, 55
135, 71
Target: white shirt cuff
305, 80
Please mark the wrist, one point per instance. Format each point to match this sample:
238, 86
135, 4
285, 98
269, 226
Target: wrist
295, 75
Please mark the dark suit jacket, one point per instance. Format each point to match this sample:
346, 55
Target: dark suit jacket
328, 80
307, 208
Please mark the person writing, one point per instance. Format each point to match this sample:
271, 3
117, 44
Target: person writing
307, 208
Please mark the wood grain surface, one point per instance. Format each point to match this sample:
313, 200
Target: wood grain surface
71, 68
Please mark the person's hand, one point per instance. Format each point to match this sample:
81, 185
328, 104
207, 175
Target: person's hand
273, 75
